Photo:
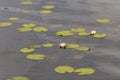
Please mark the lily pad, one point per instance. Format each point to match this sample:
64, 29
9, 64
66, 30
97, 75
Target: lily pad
48, 6
45, 11
64, 69
40, 29
85, 71
78, 30
83, 34
19, 78
26, 3
14, 18
29, 25
64, 33
99, 35
82, 49
36, 57
103, 20
5, 24
25, 11
47, 45
27, 50
72, 46
24, 29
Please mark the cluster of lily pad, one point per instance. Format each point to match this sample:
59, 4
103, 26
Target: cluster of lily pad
69, 69
77, 47
19, 78
35, 56
80, 31
46, 8
30, 26
5, 24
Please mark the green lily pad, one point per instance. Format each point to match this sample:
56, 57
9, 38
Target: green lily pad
29, 25
83, 34
78, 30
45, 11
103, 20
40, 29
99, 35
64, 33
26, 3
14, 18
47, 45
24, 29
85, 71
64, 69
5, 24
27, 50
19, 78
36, 57
72, 46
82, 49
48, 6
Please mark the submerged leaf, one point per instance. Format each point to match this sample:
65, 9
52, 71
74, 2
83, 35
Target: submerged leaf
82, 49
47, 45
27, 50
72, 45
19, 78
48, 6
40, 29
103, 20
36, 56
99, 35
24, 29
85, 71
78, 30
45, 11
64, 69
5, 24
64, 33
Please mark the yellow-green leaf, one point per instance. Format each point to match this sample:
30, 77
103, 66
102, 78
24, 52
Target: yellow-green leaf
78, 30
64, 69
103, 20
14, 18
48, 6
45, 11
83, 34
27, 50
30, 25
36, 56
82, 49
24, 29
26, 3
64, 33
19, 78
40, 29
5, 24
85, 71
99, 35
